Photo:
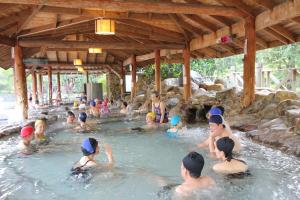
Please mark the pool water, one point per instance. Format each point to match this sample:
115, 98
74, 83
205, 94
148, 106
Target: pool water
144, 163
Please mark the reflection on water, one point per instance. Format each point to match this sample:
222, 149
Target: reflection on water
144, 164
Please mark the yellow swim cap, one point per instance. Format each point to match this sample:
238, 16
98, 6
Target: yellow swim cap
39, 122
151, 115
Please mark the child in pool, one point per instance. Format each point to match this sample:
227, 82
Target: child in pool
124, 109
90, 148
104, 106
176, 127
27, 136
93, 109
82, 122
218, 130
70, 117
150, 123
39, 133
230, 165
75, 105
191, 169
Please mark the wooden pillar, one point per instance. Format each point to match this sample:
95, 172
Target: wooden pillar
157, 71
34, 87
249, 62
187, 74
41, 88
58, 86
133, 77
122, 81
20, 82
87, 77
50, 84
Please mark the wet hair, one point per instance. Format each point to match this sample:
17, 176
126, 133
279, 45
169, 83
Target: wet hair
194, 163
226, 145
93, 143
125, 104
217, 119
70, 114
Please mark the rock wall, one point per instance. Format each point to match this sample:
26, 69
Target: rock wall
114, 86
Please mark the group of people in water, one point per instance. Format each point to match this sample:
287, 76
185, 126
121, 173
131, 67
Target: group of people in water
221, 143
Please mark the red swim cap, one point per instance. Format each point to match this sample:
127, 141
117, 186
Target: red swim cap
26, 131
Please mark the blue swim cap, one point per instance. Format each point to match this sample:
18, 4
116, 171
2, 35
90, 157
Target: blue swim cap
217, 119
89, 146
82, 117
215, 111
93, 103
175, 120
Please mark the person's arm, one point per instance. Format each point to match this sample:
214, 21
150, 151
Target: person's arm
153, 110
108, 152
162, 111
204, 144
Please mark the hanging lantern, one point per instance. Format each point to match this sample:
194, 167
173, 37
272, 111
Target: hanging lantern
95, 50
105, 27
77, 62
80, 69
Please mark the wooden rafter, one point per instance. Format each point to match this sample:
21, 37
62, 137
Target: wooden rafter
269, 4
285, 33
203, 23
149, 7
238, 4
28, 18
175, 19
277, 35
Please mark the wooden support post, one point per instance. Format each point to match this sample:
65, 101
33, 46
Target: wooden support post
50, 84
249, 62
187, 74
34, 87
133, 77
20, 82
157, 71
41, 88
122, 81
58, 86
87, 77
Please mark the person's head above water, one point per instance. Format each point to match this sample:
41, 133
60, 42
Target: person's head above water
216, 123
175, 120
192, 165
155, 96
215, 111
27, 132
89, 146
150, 117
92, 103
70, 117
82, 117
124, 104
40, 126
224, 148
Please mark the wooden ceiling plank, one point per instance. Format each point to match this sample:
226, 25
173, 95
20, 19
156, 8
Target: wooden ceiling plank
146, 7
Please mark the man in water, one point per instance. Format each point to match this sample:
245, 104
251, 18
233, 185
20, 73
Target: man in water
191, 169
70, 117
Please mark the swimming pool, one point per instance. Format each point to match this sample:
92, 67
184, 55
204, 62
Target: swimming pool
144, 163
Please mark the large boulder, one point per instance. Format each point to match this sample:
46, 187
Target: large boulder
211, 87
287, 105
282, 95
171, 82
268, 112
221, 81
196, 77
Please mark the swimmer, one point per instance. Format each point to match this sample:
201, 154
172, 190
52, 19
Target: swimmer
176, 127
93, 109
218, 130
150, 123
124, 107
82, 105
90, 148
27, 136
159, 108
219, 110
70, 117
191, 169
82, 120
39, 133
229, 165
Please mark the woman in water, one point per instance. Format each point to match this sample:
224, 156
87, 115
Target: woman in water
39, 133
90, 148
229, 165
159, 108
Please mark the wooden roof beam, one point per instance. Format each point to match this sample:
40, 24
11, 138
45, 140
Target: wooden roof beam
285, 33
103, 45
238, 4
150, 56
207, 25
146, 7
189, 27
28, 18
277, 35
265, 3
281, 12
175, 19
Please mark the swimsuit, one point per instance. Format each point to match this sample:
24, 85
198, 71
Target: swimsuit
158, 114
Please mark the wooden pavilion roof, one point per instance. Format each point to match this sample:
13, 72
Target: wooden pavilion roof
62, 30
